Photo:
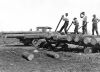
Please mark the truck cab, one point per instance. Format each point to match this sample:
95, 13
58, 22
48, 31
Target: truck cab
43, 29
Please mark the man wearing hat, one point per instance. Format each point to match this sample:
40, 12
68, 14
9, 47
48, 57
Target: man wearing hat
94, 24
84, 22
76, 23
66, 22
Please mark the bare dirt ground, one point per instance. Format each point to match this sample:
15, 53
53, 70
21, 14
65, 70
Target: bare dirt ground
11, 60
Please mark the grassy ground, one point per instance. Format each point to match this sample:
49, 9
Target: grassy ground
11, 60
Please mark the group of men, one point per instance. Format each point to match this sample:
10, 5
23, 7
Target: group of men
95, 21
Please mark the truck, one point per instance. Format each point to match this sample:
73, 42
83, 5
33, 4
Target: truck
44, 38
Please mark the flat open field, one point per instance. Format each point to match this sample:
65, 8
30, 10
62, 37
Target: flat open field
11, 60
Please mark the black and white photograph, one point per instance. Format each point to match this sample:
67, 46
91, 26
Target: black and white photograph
49, 36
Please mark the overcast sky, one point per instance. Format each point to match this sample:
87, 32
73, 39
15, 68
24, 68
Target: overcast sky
21, 15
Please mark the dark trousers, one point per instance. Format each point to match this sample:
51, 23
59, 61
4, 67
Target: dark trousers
64, 27
94, 28
76, 29
84, 28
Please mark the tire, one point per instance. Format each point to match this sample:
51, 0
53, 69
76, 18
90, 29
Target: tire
26, 42
38, 42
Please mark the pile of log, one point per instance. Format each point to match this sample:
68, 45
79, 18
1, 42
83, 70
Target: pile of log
85, 40
92, 40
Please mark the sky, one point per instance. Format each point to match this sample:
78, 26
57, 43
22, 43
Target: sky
22, 15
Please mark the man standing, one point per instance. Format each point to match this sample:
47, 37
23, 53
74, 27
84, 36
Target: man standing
84, 23
76, 23
66, 22
94, 24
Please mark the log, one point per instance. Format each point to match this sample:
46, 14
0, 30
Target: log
86, 40
93, 41
98, 40
69, 37
60, 37
28, 56
88, 50
90, 39
74, 46
35, 51
77, 38
52, 54
37, 35
99, 43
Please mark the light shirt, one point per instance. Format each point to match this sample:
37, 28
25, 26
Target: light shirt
65, 18
85, 18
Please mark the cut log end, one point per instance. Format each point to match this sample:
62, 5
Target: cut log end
88, 50
93, 41
77, 38
28, 56
86, 40
35, 51
69, 38
98, 40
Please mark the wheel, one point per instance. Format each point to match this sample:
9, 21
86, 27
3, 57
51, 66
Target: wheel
26, 44
38, 42
26, 41
88, 50
34, 42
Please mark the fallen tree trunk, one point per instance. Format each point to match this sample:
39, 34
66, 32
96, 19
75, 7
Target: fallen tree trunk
52, 54
28, 56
